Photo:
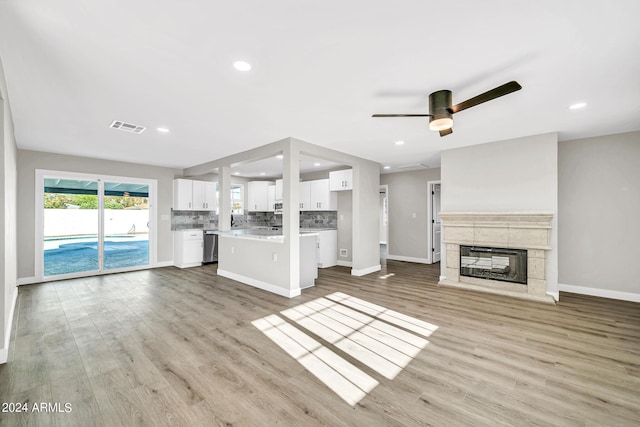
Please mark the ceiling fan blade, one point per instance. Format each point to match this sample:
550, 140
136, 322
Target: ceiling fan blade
505, 89
402, 115
446, 132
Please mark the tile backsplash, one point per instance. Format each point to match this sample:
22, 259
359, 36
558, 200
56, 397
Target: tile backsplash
182, 220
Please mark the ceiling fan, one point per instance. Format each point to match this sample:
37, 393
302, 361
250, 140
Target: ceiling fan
441, 110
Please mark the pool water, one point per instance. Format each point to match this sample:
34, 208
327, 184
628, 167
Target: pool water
77, 256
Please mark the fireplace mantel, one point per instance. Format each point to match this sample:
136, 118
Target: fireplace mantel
517, 230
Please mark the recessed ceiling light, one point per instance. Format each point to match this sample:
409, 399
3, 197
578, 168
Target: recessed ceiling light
387, 167
399, 142
262, 173
236, 173
242, 66
279, 156
163, 130
578, 105
316, 164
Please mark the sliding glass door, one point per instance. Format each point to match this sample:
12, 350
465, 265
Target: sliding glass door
92, 225
71, 226
126, 225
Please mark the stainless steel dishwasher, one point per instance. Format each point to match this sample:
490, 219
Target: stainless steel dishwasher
210, 253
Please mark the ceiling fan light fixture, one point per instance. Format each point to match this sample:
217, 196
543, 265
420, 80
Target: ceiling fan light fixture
442, 123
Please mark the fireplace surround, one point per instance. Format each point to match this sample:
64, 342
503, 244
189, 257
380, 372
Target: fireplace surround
528, 232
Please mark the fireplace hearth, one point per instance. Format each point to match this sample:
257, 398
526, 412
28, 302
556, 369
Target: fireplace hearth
507, 265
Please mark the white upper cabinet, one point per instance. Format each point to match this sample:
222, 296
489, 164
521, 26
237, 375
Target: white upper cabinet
321, 198
279, 191
190, 195
341, 180
183, 195
305, 196
210, 200
259, 196
271, 197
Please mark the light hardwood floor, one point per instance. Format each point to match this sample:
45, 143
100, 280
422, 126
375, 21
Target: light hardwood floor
177, 347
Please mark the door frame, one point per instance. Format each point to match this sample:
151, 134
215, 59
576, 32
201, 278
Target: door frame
385, 188
41, 174
430, 185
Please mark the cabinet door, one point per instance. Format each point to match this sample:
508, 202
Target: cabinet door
259, 196
210, 201
198, 196
348, 179
321, 198
183, 195
327, 248
279, 192
305, 196
271, 196
341, 180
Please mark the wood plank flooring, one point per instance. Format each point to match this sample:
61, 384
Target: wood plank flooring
177, 347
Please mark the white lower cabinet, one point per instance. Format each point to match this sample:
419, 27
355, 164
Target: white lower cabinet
327, 248
187, 248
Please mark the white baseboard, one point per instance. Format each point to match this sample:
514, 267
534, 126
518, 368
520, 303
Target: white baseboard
443, 277
604, 293
163, 264
345, 263
289, 293
365, 271
4, 351
409, 259
26, 280
555, 295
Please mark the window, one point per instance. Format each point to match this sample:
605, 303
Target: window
237, 198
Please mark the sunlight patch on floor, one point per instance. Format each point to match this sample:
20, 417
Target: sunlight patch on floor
371, 334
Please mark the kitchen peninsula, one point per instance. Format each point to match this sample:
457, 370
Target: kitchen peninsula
254, 256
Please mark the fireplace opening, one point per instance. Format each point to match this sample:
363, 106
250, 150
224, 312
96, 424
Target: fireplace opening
507, 265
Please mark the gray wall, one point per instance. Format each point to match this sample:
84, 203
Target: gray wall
408, 194
29, 161
599, 205
512, 175
8, 186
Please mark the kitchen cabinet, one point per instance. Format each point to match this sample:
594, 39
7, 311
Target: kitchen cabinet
322, 199
190, 195
271, 197
187, 248
327, 243
279, 190
204, 196
182, 194
305, 196
341, 180
259, 196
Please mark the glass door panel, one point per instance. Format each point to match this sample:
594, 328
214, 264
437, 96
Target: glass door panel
126, 225
71, 226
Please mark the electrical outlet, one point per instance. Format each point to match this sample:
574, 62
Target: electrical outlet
344, 252
233, 249
274, 257
413, 215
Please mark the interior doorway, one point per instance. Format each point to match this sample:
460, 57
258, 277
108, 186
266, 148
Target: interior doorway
434, 226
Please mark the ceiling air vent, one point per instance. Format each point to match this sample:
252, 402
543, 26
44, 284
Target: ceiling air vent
127, 127
414, 166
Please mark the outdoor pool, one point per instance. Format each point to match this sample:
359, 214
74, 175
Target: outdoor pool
72, 255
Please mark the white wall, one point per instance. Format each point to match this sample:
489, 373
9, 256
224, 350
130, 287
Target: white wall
29, 161
599, 212
506, 176
408, 195
8, 192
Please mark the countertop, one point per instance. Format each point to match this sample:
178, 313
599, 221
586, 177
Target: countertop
263, 234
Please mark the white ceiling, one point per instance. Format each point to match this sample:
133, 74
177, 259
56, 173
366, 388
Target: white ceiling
320, 69
272, 167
